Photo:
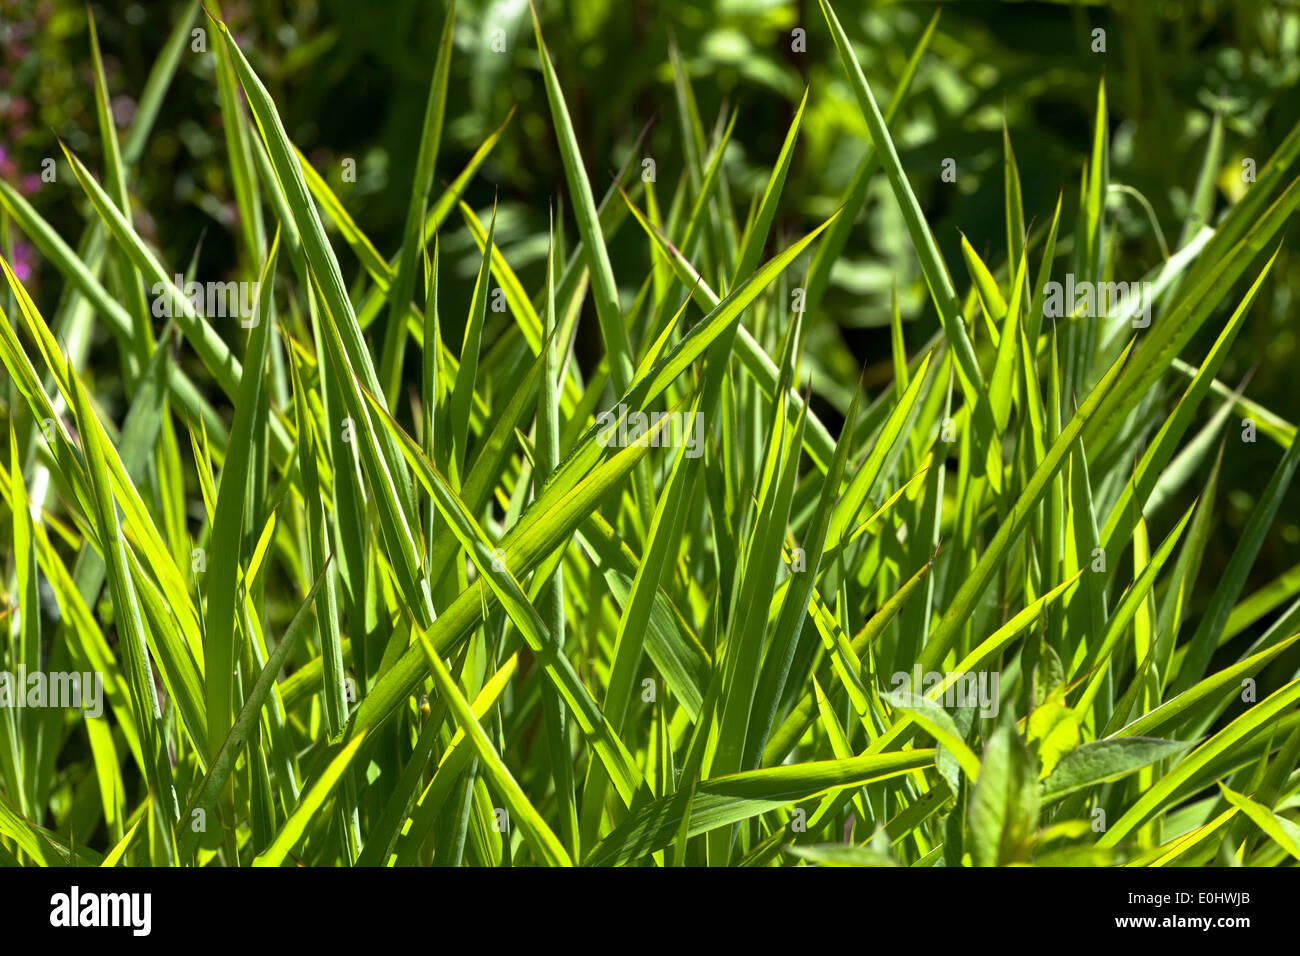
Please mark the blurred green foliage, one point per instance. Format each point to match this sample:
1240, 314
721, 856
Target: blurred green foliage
351, 80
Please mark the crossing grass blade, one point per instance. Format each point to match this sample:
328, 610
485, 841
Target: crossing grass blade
426, 158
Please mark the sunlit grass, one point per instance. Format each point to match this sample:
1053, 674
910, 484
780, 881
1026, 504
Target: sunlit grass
431, 613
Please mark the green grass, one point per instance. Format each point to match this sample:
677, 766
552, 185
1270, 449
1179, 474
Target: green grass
366, 586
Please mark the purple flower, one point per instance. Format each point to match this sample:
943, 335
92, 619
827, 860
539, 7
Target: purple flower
24, 265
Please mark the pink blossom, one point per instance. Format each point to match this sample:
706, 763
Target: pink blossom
24, 266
